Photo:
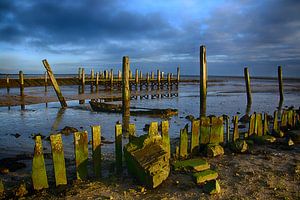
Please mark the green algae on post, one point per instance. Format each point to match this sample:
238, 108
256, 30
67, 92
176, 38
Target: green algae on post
81, 154
118, 147
195, 137
153, 129
96, 146
203, 176
58, 159
166, 137
217, 130
196, 164
39, 175
251, 125
183, 153
204, 130
258, 124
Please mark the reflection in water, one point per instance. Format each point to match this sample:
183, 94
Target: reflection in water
58, 119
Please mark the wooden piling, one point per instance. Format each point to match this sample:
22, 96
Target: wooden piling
125, 94
169, 80
178, 74
79, 74
266, 125
39, 175
195, 137
118, 147
132, 131
152, 75
130, 74
21, 82
60, 97
97, 81
236, 134
204, 130
248, 87
153, 129
96, 146
111, 79
58, 159
203, 80
258, 124
158, 79
7, 84
119, 75
166, 137
82, 85
280, 83
141, 75
136, 76
217, 130
183, 146
81, 154
251, 129
227, 129
46, 81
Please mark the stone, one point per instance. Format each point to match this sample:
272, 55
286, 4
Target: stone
239, 146
203, 176
214, 150
290, 142
196, 164
21, 191
212, 187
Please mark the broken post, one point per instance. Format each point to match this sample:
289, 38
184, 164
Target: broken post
248, 87
236, 134
81, 154
216, 130
118, 147
183, 148
55, 85
46, 81
39, 175
58, 160
195, 137
125, 94
166, 137
96, 146
203, 80
280, 83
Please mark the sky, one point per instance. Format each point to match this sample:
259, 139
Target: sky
154, 34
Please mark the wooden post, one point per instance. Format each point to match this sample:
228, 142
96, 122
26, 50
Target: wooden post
158, 79
132, 131
248, 87
227, 129
60, 97
39, 175
21, 81
81, 154
195, 137
58, 160
46, 81
169, 80
258, 124
92, 75
97, 81
82, 84
130, 74
166, 137
79, 74
96, 146
162, 75
236, 134
141, 75
217, 130
266, 124
7, 84
125, 94
203, 80
153, 129
204, 130
118, 147
136, 76
119, 75
280, 83
111, 79
183, 153
178, 74
251, 129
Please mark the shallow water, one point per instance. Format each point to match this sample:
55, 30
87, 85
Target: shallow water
225, 96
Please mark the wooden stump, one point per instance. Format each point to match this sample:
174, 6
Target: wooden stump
81, 154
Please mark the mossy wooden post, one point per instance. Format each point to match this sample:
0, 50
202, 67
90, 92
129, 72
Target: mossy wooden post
60, 97
204, 130
251, 129
227, 129
248, 87
236, 134
280, 83
118, 147
153, 129
125, 95
96, 146
39, 175
158, 79
275, 122
258, 124
283, 123
166, 137
7, 84
217, 130
183, 146
195, 137
46, 81
58, 159
111, 79
266, 125
81, 154
203, 81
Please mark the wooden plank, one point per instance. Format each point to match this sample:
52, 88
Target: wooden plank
39, 175
195, 137
81, 154
217, 130
118, 147
96, 146
166, 137
204, 130
58, 159
153, 129
55, 85
236, 134
183, 146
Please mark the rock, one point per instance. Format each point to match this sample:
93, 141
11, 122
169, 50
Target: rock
290, 142
214, 150
239, 146
67, 130
21, 191
17, 135
1, 187
295, 136
190, 117
203, 176
196, 164
147, 160
245, 119
212, 187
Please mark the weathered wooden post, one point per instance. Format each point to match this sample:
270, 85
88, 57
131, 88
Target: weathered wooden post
125, 94
251, 129
216, 130
82, 85
21, 82
46, 81
96, 146
227, 129
162, 75
152, 75
79, 74
111, 79
204, 130
158, 79
97, 80
178, 75
266, 124
169, 80
141, 75
195, 136
203, 80
58, 160
81, 154
258, 124
280, 83
236, 134
92, 79
118, 147
132, 131
136, 76
130, 74
153, 129
183, 153
60, 97
39, 175
248, 87
166, 137
7, 84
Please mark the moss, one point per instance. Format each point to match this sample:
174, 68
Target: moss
204, 176
196, 164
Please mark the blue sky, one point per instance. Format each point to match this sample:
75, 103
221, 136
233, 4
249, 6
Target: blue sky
154, 34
